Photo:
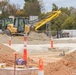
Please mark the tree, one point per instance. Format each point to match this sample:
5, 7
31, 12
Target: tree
19, 13
12, 9
73, 11
54, 7
66, 11
25, 0
32, 7
57, 24
71, 23
68, 23
3, 7
42, 6
8, 9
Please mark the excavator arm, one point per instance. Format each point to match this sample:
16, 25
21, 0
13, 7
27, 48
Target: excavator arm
53, 15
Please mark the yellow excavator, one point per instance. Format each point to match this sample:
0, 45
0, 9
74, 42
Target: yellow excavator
20, 25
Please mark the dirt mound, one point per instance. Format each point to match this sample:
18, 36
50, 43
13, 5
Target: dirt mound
15, 39
7, 55
32, 38
66, 66
61, 68
71, 56
37, 36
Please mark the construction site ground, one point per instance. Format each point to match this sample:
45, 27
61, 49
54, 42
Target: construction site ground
38, 46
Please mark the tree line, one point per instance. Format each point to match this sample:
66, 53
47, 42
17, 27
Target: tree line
31, 7
66, 20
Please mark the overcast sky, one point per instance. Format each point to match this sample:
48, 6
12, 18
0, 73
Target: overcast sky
48, 3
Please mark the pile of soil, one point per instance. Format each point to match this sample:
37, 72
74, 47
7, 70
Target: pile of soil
32, 38
71, 56
37, 36
66, 66
7, 56
61, 68
15, 39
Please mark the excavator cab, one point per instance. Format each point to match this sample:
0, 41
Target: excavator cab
18, 27
19, 23
5, 22
22, 25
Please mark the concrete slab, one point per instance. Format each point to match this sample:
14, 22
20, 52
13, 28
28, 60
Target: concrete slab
43, 47
18, 71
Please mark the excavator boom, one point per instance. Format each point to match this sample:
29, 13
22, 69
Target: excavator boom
53, 15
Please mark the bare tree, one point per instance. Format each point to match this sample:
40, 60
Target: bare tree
42, 6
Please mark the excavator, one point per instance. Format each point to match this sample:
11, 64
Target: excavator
18, 26
21, 26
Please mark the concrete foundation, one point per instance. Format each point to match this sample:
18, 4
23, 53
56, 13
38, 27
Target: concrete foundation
19, 71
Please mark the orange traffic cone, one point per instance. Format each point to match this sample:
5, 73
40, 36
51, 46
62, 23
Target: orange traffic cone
25, 54
9, 42
25, 49
41, 69
52, 42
